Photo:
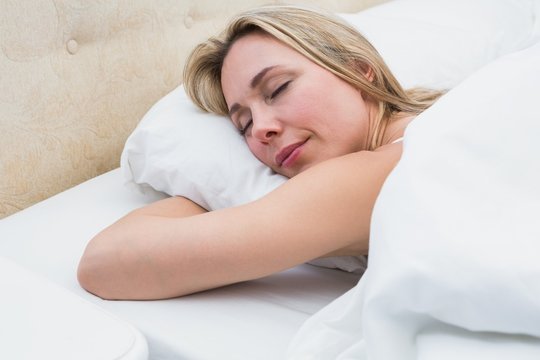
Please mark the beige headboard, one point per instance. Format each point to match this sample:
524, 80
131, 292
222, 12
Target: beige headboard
77, 76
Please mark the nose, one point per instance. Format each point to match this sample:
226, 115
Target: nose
265, 125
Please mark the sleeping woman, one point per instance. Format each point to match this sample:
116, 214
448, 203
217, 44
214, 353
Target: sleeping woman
316, 103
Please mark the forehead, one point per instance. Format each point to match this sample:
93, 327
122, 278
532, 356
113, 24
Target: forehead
257, 46
254, 52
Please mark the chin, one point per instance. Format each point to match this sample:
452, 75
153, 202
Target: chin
293, 172
289, 173
285, 173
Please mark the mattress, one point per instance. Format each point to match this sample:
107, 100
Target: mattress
250, 320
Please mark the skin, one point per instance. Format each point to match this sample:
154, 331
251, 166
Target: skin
174, 247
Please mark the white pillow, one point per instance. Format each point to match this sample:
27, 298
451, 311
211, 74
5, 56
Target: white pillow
179, 150
438, 43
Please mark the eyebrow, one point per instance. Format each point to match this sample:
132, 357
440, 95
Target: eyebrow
257, 78
255, 81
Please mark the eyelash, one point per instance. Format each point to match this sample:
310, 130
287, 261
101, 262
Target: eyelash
280, 89
245, 128
272, 96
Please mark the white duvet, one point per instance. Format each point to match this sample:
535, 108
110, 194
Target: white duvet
454, 266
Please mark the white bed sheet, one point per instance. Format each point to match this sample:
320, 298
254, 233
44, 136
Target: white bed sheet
252, 320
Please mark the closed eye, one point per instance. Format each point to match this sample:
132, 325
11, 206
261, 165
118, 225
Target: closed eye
244, 130
280, 89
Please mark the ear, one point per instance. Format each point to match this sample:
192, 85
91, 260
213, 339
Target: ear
368, 72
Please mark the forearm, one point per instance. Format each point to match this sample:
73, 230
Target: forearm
161, 252
127, 259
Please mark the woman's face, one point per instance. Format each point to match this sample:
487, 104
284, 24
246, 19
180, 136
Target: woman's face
292, 112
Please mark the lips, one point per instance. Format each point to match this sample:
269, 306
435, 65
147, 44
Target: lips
282, 156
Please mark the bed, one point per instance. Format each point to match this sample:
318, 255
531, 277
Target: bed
243, 321
430, 291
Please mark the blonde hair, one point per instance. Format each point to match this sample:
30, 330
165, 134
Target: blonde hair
322, 38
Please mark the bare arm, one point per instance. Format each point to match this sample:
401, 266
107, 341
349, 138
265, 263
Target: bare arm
173, 247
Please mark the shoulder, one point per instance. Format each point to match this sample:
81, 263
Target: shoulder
383, 159
361, 173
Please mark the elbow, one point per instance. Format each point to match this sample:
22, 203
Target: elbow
121, 267
94, 275
86, 275
88, 278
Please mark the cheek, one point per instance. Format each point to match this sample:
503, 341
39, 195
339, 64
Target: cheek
259, 150
302, 108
